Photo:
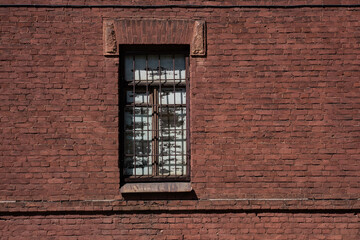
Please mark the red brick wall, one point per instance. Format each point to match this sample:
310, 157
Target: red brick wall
284, 226
275, 109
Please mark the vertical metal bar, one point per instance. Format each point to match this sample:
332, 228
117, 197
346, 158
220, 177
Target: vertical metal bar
183, 151
182, 138
167, 124
142, 127
155, 122
174, 114
187, 73
142, 137
147, 114
168, 128
161, 117
134, 93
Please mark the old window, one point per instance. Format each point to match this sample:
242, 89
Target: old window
155, 114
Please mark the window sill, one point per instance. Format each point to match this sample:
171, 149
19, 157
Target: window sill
163, 187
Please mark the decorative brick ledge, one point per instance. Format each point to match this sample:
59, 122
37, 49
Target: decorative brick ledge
352, 205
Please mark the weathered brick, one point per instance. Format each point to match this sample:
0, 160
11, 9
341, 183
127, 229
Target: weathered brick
274, 115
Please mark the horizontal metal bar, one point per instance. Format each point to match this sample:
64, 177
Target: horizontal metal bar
150, 130
158, 178
167, 49
162, 155
159, 155
149, 106
156, 83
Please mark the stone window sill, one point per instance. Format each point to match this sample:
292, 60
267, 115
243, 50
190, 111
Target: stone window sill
163, 187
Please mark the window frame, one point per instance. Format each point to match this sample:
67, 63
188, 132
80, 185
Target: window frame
123, 87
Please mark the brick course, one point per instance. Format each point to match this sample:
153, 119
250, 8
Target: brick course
274, 115
184, 226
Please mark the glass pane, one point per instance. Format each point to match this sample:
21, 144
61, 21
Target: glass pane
172, 134
140, 144
142, 118
168, 165
153, 67
138, 140
180, 67
139, 73
172, 141
172, 148
128, 166
168, 68
129, 68
140, 97
168, 96
141, 166
170, 118
140, 67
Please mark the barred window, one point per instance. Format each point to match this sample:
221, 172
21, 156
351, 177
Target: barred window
155, 115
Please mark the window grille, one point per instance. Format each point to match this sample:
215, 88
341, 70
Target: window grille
155, 116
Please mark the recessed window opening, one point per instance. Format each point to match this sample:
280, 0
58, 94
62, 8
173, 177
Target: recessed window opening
155, 115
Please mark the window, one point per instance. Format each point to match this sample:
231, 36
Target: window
154, 114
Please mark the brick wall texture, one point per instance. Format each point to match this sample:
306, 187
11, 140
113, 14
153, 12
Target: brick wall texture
275, 124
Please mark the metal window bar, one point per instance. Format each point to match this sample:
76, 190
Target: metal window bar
182, 142
160, 119
175, 146
187, 76
158, 106
155, 126
134, 100
147, 117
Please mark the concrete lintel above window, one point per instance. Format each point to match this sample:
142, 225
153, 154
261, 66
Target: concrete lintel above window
162, 187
